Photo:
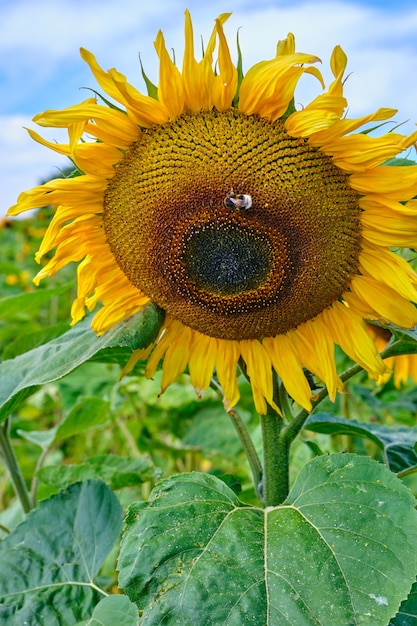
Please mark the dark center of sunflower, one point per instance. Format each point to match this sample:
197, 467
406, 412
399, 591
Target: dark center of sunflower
238, 259
232, 226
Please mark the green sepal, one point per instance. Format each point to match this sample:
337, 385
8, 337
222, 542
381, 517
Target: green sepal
150, 86
290, 110
239, 68
399, 162
103, 99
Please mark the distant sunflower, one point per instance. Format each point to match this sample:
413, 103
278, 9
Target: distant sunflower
402, 367
264, 232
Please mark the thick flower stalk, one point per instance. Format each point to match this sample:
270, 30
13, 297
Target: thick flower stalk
264, 232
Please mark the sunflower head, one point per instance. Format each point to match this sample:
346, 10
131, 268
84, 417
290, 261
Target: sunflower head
263, 232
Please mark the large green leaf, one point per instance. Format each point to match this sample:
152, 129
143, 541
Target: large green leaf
396, 442
378, 433
32, 339
407, 613
13, 305
49, 562
113, 611
53, 360
341, 550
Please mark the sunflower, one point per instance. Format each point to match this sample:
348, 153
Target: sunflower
263, 232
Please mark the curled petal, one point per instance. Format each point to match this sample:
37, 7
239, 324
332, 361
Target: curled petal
268, 87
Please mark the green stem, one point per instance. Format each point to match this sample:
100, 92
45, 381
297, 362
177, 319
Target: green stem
13, 468
35, 480
407, 472
278, 438
249, 448
392, 349
129, 439
275, 459
246, 441
275, 472
349, 373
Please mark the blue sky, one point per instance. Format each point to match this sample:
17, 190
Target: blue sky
40, 66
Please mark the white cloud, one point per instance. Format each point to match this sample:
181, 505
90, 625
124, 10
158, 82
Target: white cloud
40, 66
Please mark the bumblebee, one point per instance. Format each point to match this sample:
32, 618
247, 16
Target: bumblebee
238, 201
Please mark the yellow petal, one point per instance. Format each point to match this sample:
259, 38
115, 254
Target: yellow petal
170, 90
100, 75
144, 110
345, 126
60, 191
138, 355
199, 77
203, 356
397, 183
75, 241
190, 67
286, 362
338, 62
71, 115
388, 223
116, 310
61, 148
348, 330
385, 301
404, 366
268, 86
324, 111
286, 46
375, 203
316, 350
161, 346
228, 354
225, 84
390, 269
169, 332
358, 152
176, 357
62, 215
98, 121
97, 159
313, 119
259, 371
